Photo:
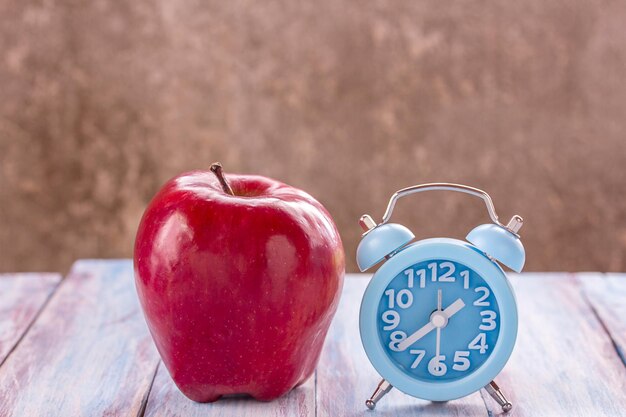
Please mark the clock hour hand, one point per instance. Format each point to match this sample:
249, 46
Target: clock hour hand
450, 311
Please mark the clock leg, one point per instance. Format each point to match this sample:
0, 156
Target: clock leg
494, 390
383, 388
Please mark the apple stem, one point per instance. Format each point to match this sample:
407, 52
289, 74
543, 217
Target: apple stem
216, 168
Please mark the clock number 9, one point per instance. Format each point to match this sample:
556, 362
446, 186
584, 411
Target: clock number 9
396, 337
392, 318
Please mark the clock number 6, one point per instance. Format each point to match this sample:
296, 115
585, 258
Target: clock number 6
436, 366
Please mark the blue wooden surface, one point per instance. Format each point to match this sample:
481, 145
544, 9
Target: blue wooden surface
86, 351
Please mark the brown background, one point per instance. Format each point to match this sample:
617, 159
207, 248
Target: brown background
103, 101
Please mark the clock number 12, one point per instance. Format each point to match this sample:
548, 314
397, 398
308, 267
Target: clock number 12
446, 269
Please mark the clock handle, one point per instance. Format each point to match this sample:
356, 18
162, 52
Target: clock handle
513, 226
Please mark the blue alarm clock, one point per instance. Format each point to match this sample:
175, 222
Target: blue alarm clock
438, 319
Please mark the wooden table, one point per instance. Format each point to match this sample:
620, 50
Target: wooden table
79, 347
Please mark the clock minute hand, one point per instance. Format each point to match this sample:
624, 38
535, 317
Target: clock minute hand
451, 310
423, 331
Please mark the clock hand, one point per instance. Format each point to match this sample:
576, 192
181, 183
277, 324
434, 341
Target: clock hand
439, 296
423, 331
438, 343
454, 308
450, 311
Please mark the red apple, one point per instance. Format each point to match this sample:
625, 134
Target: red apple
239, 278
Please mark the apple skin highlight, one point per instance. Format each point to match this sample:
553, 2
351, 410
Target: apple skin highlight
238, 291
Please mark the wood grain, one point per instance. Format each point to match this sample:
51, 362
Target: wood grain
564, 363
607, 295
89, 352
21, 298
345, 377
167, 401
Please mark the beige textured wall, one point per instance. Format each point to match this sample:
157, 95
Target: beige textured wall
102, 101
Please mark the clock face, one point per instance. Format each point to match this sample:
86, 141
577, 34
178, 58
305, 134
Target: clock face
438, 320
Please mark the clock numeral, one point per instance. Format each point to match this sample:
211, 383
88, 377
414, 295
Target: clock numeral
420, 355
436, 366
447, 273
488, 320
479, 343
404, 298
392, 318
461, 360
480, 302
433, 271
422, 274
447, 276
465, 275
410, 275
396, 337
391, 294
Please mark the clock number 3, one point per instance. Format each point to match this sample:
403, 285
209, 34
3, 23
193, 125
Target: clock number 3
436, 366
488, 320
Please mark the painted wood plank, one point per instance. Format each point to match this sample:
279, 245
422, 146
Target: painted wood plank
345, 377
564, 362
89, 352
22, 296
167, 401
607, 295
